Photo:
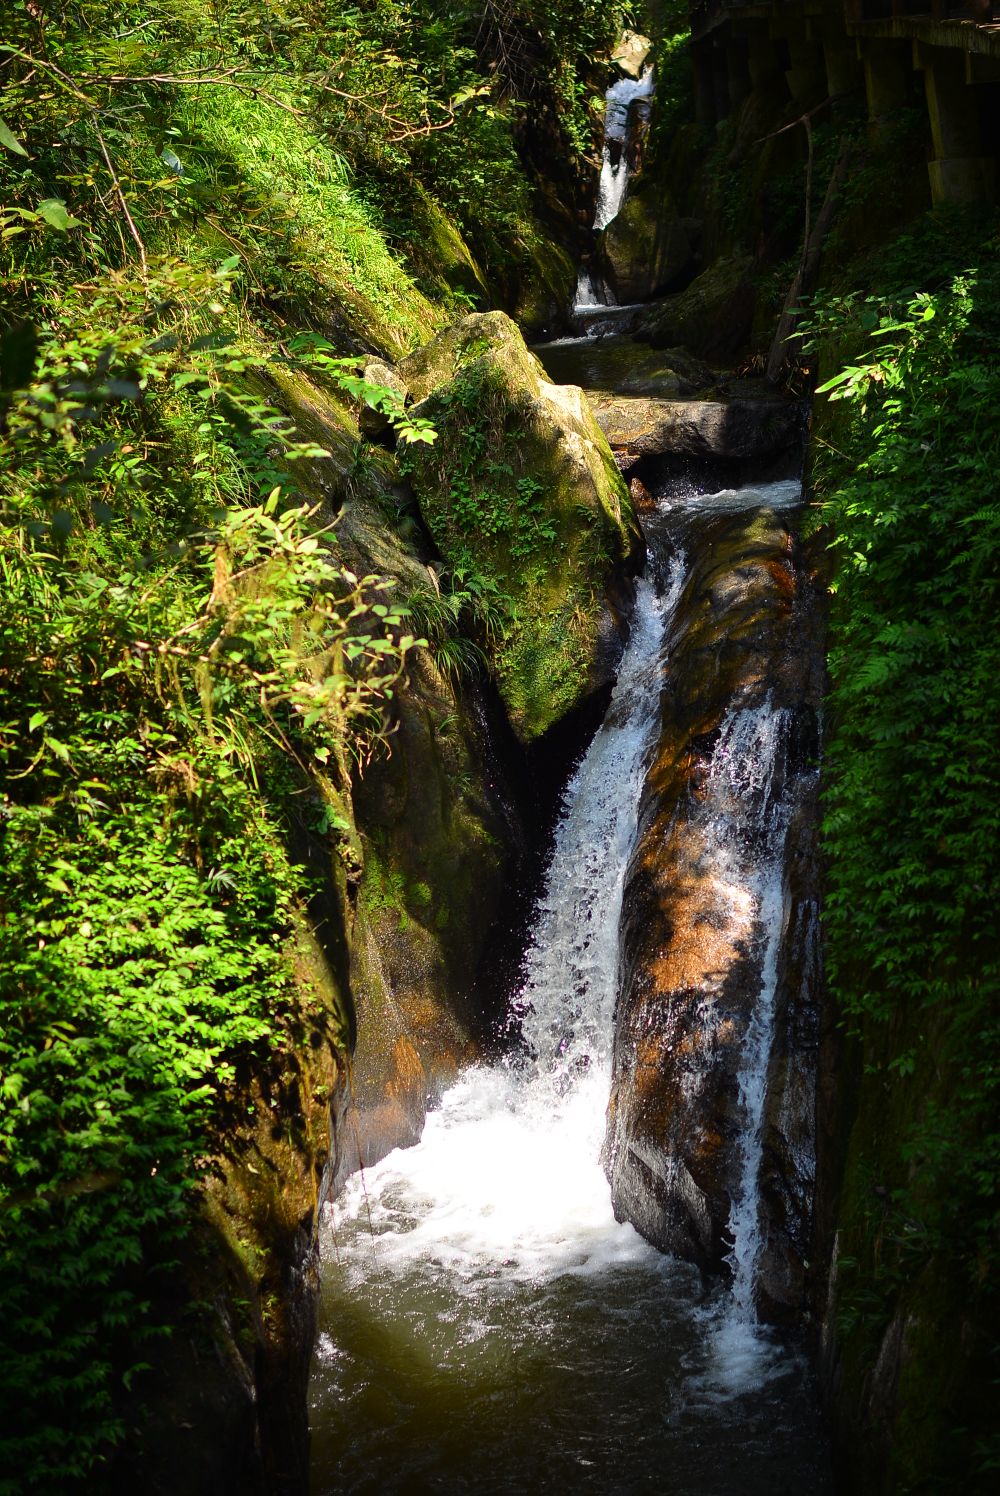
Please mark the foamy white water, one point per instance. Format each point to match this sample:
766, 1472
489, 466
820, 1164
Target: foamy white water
507, 1172
620, 98
487, 1326
748, 813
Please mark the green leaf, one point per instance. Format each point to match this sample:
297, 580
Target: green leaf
36, 720
11, 141
53, 210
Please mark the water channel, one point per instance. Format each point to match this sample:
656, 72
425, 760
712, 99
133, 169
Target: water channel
487, 1325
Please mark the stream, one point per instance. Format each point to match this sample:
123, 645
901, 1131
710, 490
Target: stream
486, 1324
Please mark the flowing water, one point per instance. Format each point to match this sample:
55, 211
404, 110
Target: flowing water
621, 99
594, 302
486, 1324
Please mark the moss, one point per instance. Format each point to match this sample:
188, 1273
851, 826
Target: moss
546, 278
521, 491
314, 237
713, 316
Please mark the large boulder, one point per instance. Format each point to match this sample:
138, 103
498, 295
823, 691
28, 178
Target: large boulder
713, 316
645, 249
746, 639
439, 834
525, 503
645, 427
540, 287
631, 52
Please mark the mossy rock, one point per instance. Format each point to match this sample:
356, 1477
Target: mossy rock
440, 258
522, 492
544, 284
439, 840
646, 248
712, 318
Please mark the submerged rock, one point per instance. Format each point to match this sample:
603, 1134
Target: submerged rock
611, 365
524, 501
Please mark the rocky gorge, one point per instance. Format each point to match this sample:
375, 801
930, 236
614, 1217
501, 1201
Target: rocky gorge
588, 1135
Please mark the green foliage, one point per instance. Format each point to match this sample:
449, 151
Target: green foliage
182, 656
378, 397
912, 817
462, 614
188, 673
131, 981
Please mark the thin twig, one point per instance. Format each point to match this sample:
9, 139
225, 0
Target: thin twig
802, 120
121, 196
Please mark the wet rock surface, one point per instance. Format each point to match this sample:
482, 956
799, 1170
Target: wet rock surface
713, 316
645, 427
747, 638
645, 249
618, 365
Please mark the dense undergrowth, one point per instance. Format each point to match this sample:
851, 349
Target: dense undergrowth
188, 674
906, 473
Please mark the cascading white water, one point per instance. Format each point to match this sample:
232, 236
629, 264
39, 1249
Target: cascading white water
747, 810
747, 776
483, 1312
568, 997
508, 1168
620, 99
591, 291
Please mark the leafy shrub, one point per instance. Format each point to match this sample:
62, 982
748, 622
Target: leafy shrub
912, 811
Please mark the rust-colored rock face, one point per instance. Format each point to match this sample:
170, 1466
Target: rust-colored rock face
743, 657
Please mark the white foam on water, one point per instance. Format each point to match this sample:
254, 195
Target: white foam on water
786, 494
506, 1181
505, 1187
748, 811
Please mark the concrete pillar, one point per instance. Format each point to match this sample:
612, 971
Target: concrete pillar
806, 77
843, 70
887, 78
960, 172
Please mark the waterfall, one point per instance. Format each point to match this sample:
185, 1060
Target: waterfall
750, 814
487, 1324
620, 98
568, 998
507, 1172
591, 291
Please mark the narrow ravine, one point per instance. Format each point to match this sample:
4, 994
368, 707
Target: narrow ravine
486, 1323
626, 99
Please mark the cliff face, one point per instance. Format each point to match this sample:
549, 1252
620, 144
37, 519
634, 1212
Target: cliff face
394, 956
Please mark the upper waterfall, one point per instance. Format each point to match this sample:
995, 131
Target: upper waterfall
615, 163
